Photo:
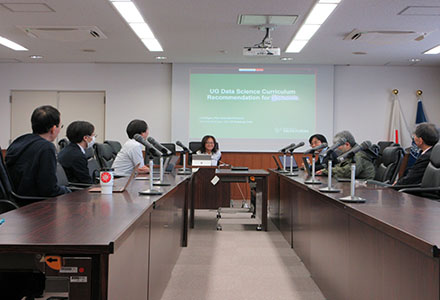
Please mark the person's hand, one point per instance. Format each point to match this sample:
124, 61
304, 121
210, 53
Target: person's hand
144, 169
319, 172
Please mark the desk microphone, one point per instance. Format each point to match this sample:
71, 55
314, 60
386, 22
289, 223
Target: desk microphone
158, 146
339, 142
287, 147
313, 150
179, 143
295, 147
364, 146
148, 147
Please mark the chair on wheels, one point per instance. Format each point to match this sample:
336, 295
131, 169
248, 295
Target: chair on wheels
104, 155
169, 146
430, 186
6, 187
115, 145
389, 167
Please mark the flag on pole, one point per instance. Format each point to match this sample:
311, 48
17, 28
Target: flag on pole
420, 118
399, 131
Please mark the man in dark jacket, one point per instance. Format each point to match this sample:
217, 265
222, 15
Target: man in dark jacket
73, 159
425, 136
31, 158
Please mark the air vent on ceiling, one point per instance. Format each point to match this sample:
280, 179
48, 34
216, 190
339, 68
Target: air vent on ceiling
384, 36
64, 33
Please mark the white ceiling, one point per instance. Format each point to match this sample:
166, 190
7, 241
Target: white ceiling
200, 31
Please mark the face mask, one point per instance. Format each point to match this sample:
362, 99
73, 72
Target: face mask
92, 142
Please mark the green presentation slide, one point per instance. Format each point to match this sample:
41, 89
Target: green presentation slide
253, 106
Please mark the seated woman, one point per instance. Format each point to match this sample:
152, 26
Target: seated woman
210, 146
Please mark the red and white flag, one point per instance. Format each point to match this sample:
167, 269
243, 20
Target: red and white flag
399, 130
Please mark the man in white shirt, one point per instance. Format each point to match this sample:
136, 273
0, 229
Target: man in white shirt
131, 152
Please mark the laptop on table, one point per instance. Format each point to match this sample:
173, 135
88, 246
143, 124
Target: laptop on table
118, 189
200, 160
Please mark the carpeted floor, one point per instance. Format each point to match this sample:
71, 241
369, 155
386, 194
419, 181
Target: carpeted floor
238, 263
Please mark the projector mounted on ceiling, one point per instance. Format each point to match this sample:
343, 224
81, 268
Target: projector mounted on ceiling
264, 48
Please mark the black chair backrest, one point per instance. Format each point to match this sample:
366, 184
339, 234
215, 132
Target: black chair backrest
63, 143
93, 166
382, 145
431, 177
90, 153
6, 186
61, 176
104, 154
170, 146
389, 167
115, 145
7, 205
195, 146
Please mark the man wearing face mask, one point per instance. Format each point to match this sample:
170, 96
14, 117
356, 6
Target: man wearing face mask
425, 136
81, 135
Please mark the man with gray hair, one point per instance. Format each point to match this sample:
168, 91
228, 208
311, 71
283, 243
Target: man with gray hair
364, 165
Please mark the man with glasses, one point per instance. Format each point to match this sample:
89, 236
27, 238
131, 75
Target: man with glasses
31, 158
81, 135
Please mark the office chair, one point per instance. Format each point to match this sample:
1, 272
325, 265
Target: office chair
7, 205
6, 187
195, 146
169, 146
104, 155
382, 145
115, 145
430, 186
62, 143
389, 167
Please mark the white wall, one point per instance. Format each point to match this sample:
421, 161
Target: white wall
363, 98
132, 91
361, 95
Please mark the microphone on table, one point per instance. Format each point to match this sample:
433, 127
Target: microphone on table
287, 147
158, 146
148, 146
364, 146
313, 150
295, 147
179, 143
339, 142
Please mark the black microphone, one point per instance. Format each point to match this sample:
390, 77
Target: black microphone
339, 142
149, 148
313, 150
179, 143
287, 147
364, 146
158, 146
296, 147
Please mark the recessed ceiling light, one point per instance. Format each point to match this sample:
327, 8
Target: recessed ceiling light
10, 44
317, 16
414, 59
129, 11
161, 57
153, 45
286, 58
359, 53
435, 50
36, 56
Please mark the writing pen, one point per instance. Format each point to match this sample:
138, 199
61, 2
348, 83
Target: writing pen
2, 221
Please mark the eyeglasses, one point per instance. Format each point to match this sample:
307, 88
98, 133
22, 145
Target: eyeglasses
209, 143
60, 126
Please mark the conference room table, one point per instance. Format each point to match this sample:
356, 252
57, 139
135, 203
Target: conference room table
118, 246
209, 195
385, 248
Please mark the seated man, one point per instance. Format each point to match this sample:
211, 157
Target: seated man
131, 152
31, 158
315, 141
81, 135
425, 136
364, 165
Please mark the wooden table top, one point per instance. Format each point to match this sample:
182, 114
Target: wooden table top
411, 219
250, 172
91, 222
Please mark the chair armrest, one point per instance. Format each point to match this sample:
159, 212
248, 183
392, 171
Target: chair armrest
79, 184
380, 183
398, 187
28, 197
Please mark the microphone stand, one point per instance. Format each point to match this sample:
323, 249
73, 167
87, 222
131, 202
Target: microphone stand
184, 171
161, 182
151, 191
352, 198
329, 188
284, 164
291, 173
313, 180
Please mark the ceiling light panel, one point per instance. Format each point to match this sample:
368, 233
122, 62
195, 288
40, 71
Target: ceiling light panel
306, 32
296, 46
12, 45
435, 50
320, 13
133, 17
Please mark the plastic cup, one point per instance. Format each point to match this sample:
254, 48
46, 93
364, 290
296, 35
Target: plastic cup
106, 179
